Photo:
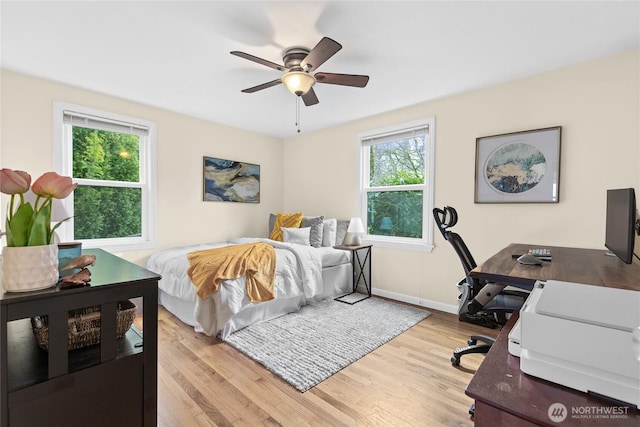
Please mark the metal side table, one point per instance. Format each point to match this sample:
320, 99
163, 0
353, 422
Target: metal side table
363, 265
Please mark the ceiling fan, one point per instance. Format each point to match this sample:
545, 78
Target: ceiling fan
299, 62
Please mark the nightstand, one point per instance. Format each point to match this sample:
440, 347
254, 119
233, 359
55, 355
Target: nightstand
363, 265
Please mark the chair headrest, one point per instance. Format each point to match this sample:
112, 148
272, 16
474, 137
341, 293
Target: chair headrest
445, 218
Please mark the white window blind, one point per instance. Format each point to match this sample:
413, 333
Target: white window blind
391, 136
93, 122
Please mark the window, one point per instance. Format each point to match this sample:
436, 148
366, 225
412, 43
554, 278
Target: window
112, 158
397, 185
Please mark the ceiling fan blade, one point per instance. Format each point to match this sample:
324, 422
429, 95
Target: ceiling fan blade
342, 79
262, 86
310, 98
324, 50
259, 60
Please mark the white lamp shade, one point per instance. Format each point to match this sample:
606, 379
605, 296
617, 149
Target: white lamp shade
298, 82
355, 226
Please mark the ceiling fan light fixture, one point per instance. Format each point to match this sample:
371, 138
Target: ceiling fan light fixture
298, 82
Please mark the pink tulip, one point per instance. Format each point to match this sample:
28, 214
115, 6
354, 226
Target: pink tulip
54, 185
14, 182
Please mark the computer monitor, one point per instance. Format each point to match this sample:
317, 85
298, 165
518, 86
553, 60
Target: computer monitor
621, 220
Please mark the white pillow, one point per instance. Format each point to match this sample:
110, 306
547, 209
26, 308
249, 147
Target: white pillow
329, 227
296, 235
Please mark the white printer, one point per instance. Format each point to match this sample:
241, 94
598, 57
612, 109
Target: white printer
582, 337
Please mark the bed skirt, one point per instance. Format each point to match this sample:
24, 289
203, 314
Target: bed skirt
337, 280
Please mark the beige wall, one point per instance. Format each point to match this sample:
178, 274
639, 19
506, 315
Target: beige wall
26, 143
597, 105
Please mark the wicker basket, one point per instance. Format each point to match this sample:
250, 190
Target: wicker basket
84, 325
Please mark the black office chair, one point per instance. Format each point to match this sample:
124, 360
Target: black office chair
480, 302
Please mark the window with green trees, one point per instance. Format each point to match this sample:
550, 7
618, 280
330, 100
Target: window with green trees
107, 205
396, 183
111, 159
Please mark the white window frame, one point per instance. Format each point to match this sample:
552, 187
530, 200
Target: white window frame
63, 164
426, 242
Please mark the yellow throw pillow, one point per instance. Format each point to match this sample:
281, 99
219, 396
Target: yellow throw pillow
287, 221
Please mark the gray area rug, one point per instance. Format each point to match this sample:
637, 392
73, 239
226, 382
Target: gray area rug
307, 347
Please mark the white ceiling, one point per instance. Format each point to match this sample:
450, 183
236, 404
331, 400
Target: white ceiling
175, 55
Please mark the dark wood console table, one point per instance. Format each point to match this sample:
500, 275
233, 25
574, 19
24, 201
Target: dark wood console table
108, 384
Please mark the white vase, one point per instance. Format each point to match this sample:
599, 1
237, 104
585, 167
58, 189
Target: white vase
29, 268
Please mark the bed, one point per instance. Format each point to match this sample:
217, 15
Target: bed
304, 274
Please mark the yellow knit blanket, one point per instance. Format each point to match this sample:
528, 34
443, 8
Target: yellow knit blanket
257, 261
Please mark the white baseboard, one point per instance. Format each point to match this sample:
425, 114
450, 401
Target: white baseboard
435, 305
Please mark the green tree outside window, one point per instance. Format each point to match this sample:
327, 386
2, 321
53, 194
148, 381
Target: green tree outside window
393, 207
102, 208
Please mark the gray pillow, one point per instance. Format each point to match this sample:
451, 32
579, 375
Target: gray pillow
341, 231
316, 225
272, 221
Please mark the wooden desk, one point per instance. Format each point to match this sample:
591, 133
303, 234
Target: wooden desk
588, 266
505, 396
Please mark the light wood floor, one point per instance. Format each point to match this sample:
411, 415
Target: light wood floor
407, 382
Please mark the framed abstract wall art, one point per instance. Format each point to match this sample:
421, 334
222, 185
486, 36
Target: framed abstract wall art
230, 181
518, 167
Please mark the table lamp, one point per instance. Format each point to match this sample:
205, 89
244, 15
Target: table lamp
356, 229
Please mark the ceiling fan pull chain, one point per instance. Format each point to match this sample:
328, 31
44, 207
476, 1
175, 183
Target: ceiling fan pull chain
298, 113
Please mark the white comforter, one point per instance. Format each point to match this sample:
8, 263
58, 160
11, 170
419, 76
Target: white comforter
298, 281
